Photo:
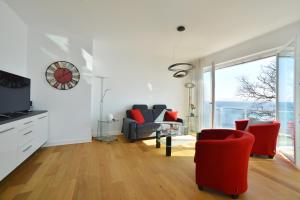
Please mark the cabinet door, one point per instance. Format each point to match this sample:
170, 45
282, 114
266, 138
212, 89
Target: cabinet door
8, 149
41, 130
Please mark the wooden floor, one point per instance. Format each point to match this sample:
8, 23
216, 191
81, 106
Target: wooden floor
138, 171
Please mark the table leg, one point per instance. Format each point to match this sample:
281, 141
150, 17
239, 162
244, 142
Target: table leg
168, 145
157, 139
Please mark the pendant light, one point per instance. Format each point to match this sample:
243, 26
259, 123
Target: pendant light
181, 69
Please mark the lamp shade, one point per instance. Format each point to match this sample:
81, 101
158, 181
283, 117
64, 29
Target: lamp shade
110, 117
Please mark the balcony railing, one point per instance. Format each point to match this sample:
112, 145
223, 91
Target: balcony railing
226, 116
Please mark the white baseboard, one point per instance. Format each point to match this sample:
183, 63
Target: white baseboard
64, 142
108, 133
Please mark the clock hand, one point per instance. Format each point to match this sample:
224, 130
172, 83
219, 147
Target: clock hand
64, 74
69, 72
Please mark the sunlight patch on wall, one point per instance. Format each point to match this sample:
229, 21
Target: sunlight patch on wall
60, 41
88, 59
150, 87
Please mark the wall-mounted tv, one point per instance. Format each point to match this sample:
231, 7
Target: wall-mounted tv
14, 93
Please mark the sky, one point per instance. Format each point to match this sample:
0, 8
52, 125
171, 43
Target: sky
227, 79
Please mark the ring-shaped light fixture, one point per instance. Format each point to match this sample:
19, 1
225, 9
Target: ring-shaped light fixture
180, 74
181, 67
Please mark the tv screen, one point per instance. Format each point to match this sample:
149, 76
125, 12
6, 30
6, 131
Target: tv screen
14, 93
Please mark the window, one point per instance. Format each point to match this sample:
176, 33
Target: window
245, 90
262, 89
286, 101
207, 98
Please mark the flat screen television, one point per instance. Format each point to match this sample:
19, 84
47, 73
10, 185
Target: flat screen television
14, 93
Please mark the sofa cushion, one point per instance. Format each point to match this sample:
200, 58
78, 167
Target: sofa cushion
160, 106
147, 128
137, 115
171, 116
148, 115
140, 106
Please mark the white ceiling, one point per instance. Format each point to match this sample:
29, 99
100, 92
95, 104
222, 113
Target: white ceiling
149, 25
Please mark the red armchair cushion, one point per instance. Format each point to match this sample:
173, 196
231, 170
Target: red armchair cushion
137, 115
171, 116
252, 122
221, 159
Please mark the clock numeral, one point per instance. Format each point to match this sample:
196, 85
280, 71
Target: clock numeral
76, 77
74, 81
69, 66
52, 81
56, 84
70, 85
50, 74
52, 67
57, 65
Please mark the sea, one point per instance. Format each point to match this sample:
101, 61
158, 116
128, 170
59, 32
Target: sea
227, 112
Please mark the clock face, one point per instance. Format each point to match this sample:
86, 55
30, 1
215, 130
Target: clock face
62, 75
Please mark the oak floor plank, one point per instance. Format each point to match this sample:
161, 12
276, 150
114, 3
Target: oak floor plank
134, 171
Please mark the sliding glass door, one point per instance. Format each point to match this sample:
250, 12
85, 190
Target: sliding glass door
286, 100
207, 105
263, 88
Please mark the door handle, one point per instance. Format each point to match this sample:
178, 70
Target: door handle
9, 129
27, 133
27, 122
27, 148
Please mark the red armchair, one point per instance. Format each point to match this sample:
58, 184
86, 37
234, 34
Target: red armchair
265, 136
221, 159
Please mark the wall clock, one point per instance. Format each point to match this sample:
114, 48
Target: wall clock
62, 75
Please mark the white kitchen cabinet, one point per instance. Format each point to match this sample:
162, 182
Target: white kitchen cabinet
20, 138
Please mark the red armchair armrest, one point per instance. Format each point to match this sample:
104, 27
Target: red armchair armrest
241, 124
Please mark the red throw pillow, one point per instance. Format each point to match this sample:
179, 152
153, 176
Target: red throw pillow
137, 115
171, 116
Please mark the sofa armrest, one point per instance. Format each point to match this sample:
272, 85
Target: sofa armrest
129, 128
179, 120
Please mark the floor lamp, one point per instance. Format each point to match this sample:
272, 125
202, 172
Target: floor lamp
190, 86
101, 121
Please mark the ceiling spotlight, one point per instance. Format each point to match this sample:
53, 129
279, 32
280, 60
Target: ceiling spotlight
180, 28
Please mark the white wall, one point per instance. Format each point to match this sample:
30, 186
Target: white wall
134, 78
13, 41
69, 111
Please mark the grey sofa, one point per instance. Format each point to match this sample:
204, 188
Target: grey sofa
133, 131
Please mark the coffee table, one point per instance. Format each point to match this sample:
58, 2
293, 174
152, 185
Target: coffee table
171, 130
